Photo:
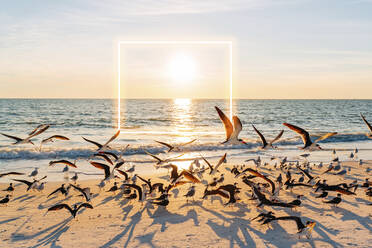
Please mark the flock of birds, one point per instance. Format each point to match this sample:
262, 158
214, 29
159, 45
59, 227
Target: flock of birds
264, 187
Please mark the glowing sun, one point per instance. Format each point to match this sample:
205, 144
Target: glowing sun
182, 67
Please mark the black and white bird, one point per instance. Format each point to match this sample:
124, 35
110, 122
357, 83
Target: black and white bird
73, 211
40, 129
305, 136
369, 134
263, 140
105, 146
334, 201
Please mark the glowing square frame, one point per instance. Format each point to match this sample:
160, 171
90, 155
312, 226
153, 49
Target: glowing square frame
169, 42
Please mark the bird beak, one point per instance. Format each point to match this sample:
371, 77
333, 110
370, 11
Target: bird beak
245, 143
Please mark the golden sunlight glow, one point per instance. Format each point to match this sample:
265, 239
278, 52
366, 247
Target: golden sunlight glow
182, 68
182, 115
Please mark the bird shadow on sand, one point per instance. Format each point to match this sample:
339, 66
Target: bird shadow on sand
129, 229
146, 239
48, 236
162, 217
10, 220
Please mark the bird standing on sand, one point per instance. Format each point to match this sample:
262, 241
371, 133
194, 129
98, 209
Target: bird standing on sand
335, 201
5, 200
34, 172
190, 192
10, 188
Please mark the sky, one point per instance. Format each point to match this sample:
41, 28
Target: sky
281, 48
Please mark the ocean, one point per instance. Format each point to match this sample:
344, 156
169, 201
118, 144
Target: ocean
175, 121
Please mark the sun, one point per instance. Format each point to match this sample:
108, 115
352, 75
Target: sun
182, 68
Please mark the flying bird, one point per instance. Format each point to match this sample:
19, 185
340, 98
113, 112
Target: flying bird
305, 136
65, 162
263, 140
175, 147
104, 146
231, 131
73, 211
369, 135
214, 169
27, 139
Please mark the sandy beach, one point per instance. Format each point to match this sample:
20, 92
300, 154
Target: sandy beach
118, 222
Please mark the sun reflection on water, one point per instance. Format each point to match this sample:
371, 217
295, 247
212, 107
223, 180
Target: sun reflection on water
182, 116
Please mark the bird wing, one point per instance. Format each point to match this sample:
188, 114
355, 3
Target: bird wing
366, 122
277, 137
55, 191
81, 191
146, 181
229, 129
66, 162
11, 173
165, 144
105, 157
60, 206
110, 153
298, 221
263, 140
93, 142
209, 165
189, 176
136, 187
187, 143
326, 136
41, 130
12, 137
104, 167
60, 137
23, 181
222, 159
124, 174
237, 126
152, 155
112, 138
302, 132
86, 205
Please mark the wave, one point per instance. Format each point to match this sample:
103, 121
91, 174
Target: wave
25, 153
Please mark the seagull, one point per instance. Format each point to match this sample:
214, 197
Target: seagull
62, 189
173, 147
214, 169
263, 140
191, 192
40, 187
52, 139
74, 178
308, 144
27, 139
34, 172
335, 201
369, 135
232, 131
73, 211
104, 146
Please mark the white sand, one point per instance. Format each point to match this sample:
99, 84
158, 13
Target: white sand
115, 222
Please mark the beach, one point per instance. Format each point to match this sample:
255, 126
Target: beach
117, 222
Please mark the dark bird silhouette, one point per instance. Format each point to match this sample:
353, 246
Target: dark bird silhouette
63, 161
257, 174
29, 184
305, 136
263, 140
5, 200
175, 147
175, 176
322, 195
214, 169
73, 211
10, 188
84, 191
27, 139
369, 135
61, 189
335, 201
300, 225
11, 173
104, 146
137, 188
